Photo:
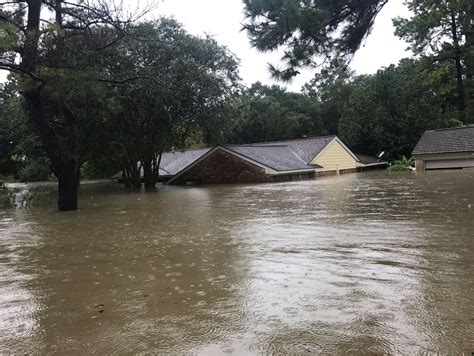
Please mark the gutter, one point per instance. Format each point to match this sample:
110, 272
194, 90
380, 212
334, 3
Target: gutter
359, 164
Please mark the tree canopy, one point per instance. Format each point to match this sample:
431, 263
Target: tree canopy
390, 110
52, 46
440, 30
263, 113
310, 32
164, 86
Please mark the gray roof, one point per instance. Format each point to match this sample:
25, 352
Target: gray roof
446, 141
173, 162
277, 157
365, 159
305, 148
290, 155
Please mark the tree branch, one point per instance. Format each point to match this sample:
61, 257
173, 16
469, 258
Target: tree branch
17, 69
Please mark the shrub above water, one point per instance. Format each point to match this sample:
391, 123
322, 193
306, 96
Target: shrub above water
34, 171
403, 164
7, 198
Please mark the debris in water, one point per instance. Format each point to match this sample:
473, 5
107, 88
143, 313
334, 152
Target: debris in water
100, 308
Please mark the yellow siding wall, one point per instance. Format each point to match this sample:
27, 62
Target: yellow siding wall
335, 157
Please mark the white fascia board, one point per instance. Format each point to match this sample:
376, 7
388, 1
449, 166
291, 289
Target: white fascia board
360, 164
278, 173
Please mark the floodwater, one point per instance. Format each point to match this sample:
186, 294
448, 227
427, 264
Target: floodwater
366, 263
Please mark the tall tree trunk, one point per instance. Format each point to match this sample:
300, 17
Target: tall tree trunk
126, 178
135, 177
63, 159
459, 70
149, 176
78, 175
67, 187
156, 166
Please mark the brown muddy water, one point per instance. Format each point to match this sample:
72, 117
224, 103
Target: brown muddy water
362, 263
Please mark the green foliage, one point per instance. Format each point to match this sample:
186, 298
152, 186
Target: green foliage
400, 165
100, 168
164, 85
430, 29
10, 120
34, 171
331, 88
16, 198
441, 32
57, 59
27, 199
390, 110
7, 198
310, 31
264, 113
20, 149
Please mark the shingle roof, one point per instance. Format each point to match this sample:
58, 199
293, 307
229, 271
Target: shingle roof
277, 157
173, 162
287, 155
364, 159
446, 141
305, 148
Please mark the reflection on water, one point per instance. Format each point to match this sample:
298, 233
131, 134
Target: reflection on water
367, 263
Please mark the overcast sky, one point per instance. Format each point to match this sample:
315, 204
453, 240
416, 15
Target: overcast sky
223, 19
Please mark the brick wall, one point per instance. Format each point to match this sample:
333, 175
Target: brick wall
325, 174
346, 171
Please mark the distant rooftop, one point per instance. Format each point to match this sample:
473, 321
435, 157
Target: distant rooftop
450, 140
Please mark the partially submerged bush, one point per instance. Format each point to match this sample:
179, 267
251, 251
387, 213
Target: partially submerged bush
16, 198
403, 164
34, 171
27, 199
7, 198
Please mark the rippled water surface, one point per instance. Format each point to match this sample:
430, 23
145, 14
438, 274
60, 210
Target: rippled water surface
364, 263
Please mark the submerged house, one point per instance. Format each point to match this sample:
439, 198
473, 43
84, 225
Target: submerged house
445, 149
279, 161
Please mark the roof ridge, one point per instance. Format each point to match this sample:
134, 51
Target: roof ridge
255, 145
188, 149
451, 128
280, 143
297, 139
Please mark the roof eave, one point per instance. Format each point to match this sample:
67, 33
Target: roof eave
362, 165
295, 171
438, 153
